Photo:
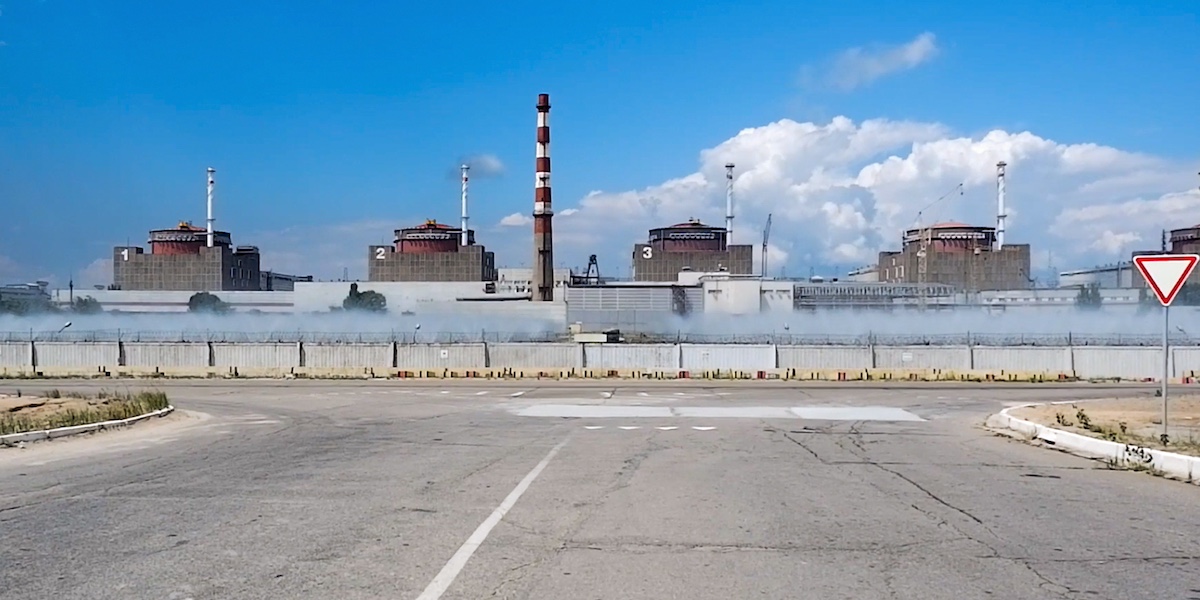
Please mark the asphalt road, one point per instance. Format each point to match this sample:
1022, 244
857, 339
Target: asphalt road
654, 491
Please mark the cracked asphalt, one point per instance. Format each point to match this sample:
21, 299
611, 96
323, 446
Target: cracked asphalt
368, 489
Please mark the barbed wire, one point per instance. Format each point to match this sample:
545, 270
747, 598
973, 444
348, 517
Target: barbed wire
476, 337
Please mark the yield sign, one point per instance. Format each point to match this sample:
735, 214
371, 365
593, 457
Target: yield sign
1165, 273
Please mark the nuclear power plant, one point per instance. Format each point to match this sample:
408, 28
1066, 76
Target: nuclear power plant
681, 269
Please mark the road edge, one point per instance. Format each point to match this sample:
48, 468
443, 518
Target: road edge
13, 439
1170, 464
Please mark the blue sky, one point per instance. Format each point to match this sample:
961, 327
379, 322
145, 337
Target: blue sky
332, 123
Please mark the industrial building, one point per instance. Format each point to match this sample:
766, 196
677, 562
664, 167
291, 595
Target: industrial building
431, 251
195, 259
966, 257
693, 246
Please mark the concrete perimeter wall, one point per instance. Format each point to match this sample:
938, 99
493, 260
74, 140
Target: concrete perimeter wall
382, 359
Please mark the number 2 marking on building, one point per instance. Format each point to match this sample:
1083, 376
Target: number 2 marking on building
379, 253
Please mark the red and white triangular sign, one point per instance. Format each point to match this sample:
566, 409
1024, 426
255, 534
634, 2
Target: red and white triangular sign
1165, 273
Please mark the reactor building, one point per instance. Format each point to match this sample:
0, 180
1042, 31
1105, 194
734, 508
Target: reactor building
433, 251
969, 258
190, 258
693, 246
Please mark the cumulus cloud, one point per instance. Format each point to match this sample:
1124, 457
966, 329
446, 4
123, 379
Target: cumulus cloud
516, 220
858, 67
98, 272
842, 191
483, 166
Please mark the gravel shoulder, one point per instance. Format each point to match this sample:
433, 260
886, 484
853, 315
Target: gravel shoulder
1127, 420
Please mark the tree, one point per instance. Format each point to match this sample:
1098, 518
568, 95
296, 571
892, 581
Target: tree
204, 302
1189, 295
1089, 297
87, 305
369, 300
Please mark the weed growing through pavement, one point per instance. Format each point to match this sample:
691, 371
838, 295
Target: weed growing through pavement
105, 406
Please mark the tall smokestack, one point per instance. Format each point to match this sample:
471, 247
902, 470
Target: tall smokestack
211, 185
729, 204
464, 168
1001, 215
543, 236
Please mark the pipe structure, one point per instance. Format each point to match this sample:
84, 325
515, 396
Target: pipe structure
212, 183
464, 168
1001, 215
543, 231
729, 204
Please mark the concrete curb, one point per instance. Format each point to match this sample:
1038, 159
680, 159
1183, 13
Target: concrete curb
49, 434
1178, 466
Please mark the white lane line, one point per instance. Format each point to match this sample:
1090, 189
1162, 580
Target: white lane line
630, 427
704, 428
446, 576
483, 393
606, 395
445, 392
643, 394
593, 427
666, 428
516, 395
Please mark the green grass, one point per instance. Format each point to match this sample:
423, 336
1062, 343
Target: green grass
110, 407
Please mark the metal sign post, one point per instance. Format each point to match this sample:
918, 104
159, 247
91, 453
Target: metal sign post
1166, 274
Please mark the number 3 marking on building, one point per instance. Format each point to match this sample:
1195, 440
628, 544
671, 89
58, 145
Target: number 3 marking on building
647, 252
379, 253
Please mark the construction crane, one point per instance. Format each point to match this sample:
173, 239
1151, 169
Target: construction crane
926, 241
766, 236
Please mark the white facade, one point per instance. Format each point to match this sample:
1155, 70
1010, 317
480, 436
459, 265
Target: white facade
1120, 275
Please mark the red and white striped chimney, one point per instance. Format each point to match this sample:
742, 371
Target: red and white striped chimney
543, 237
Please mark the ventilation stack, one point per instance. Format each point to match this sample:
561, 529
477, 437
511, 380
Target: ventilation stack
1001, 215
464, 168
212, 182
729, 204
543, 236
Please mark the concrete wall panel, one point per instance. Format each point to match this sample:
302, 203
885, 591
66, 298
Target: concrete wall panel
15, 355
440, 356
1185, 360
949, 358
849, 358
1042, 359
631, 356
256, 355
348, 356
1096, 362
535, 356
741, 357
166, 355
56, 355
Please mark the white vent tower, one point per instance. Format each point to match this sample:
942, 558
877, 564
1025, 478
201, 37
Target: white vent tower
212, 183
464, 168
729, 204
1001, 215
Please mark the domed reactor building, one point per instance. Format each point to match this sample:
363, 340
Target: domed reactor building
188, 258
693, 246
432, 251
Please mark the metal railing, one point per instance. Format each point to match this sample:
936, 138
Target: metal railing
445, 337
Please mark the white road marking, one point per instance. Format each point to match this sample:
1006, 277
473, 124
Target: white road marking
629, 411
262, 422
446, 576
630, 427
643, 394
606, 395
516, 395
445, 392
854, 413
666, 428
592, 411
483, 393
593, 427
704, 428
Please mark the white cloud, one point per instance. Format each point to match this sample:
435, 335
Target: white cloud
98, 272
483, 166
842, 191
516, 220
857, 67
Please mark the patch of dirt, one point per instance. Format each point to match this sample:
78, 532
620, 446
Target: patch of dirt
37, 407
1128, 420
